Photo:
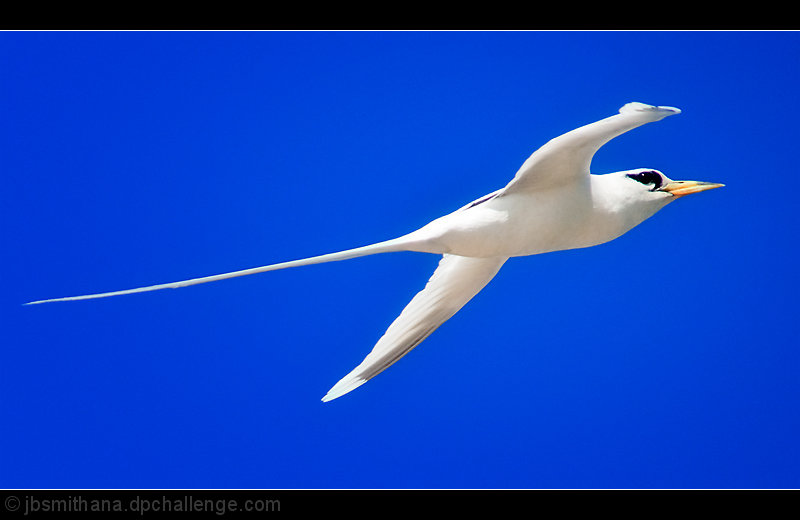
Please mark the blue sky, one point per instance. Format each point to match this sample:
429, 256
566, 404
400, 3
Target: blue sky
665, 359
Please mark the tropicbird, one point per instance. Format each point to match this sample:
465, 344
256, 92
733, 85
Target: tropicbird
553, 203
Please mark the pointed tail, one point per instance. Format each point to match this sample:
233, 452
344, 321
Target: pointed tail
398, 244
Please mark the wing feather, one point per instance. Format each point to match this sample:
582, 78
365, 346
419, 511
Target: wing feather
569, 156
456, 280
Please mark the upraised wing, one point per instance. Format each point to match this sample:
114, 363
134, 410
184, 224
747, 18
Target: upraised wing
569, 156
455, 282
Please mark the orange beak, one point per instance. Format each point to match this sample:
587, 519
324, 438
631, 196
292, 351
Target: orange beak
681, 188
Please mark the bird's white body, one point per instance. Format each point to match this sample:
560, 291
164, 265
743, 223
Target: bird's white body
553, 203
523, 224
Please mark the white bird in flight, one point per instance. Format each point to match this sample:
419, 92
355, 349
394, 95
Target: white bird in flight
553, 203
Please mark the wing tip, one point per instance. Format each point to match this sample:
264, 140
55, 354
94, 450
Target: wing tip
345, 385
659, 111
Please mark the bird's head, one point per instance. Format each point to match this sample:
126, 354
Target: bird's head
645, 186
654, 185
638, 194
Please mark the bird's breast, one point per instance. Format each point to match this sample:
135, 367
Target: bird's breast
520, 225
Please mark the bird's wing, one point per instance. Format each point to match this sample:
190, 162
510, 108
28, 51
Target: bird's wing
456, 281
569, 156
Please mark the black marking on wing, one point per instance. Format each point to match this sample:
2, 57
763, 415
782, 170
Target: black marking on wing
482, 200
392, 359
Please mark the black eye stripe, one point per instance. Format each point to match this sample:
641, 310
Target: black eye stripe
649, 177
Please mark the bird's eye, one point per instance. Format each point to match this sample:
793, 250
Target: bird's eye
648, 177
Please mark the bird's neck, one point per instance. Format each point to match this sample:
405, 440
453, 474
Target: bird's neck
615, 211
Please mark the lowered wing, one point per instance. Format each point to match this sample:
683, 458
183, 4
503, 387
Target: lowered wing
456, 281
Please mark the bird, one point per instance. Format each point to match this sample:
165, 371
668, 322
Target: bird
553, 203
